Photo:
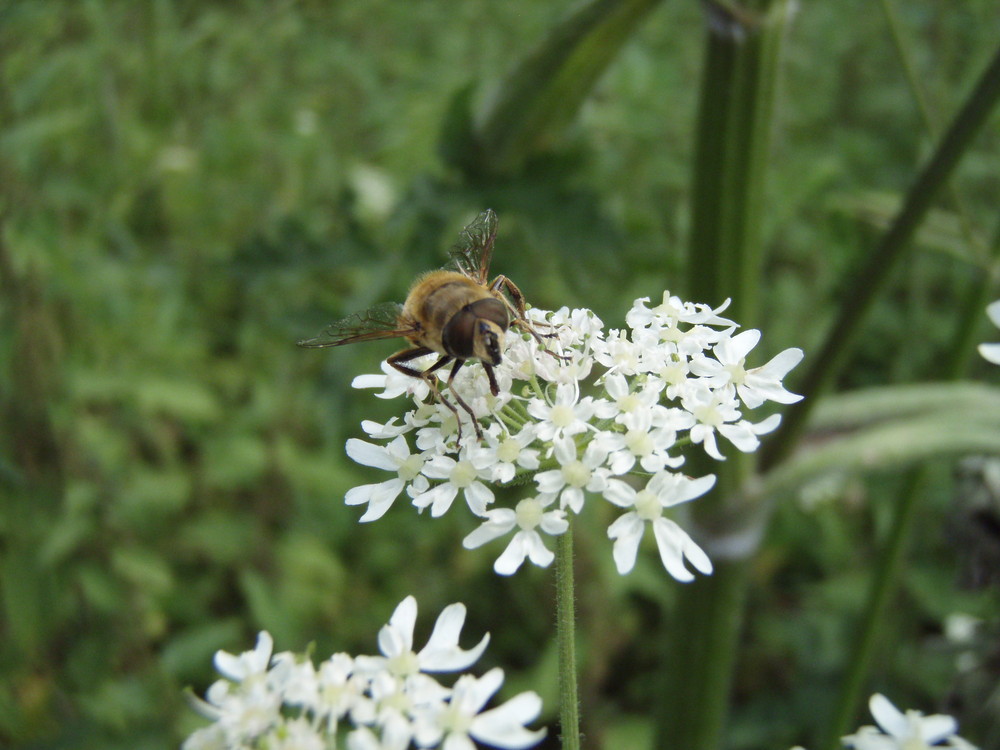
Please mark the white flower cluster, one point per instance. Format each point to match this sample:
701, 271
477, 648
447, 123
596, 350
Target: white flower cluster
386, 702
574, 415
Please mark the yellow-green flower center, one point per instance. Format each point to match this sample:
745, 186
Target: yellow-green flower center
410, 468
647, 505
528, 513
463, 474
562, 415
576, 474
509, 450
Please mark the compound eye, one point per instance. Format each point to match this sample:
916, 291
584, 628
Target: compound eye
491, 343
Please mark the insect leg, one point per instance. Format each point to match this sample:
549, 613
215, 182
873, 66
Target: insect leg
519, 311
397, 360
461, 401
405, 355
494, 388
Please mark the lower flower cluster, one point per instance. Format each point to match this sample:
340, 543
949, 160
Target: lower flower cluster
384, 702
579, 410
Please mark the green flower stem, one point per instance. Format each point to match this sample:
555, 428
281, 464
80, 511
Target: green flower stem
569, 708
890, 251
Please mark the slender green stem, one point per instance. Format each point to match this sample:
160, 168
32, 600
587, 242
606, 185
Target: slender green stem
569, 709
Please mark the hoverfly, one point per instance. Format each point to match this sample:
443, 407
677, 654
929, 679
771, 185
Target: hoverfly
455, 312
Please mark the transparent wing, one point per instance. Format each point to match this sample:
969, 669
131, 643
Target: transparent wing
474, 250
378, 322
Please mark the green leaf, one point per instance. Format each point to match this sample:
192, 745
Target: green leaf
543, 93
888, 428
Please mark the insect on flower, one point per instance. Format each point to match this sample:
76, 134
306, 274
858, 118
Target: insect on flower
455, 312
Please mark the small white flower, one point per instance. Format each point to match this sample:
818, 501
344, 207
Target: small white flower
529, 516
754, 386
463, 720
718, 411
664, 490
461, 475
575, 474
991, 352
249, 663
644, 442
909, 731
568, 415
441, 654
505, 453
396, 457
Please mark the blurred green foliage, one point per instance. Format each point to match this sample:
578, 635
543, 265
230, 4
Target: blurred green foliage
189, 187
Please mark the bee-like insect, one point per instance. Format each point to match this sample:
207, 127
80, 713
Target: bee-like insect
455, 312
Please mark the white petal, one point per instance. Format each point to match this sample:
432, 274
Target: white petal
669, 542
380, 498
990, 352
498, 523
627, 533
477, 497
513, 556
503, 726
741, 435
936, 727
538, 553
993, 312
619, 493
442, 653
738, 346
369, 454
572, 498
889, 717
404, 617
550, 481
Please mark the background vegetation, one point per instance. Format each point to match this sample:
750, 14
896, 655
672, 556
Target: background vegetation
189, 187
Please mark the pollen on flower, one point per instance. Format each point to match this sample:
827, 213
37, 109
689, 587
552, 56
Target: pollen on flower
463, 474
562, 415
576, 474
647, 505
509, 450
528, 513
708, 414
410, 468
403, 664
640, 442
737, 375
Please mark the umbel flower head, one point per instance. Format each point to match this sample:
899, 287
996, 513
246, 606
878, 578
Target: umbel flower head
576, 415
384, 702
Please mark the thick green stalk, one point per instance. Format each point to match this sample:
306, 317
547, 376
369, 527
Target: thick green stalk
569, 702
872, 279
733, 131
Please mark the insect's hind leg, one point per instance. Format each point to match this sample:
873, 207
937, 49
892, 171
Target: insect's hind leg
405, 355
397, 361
461, 402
